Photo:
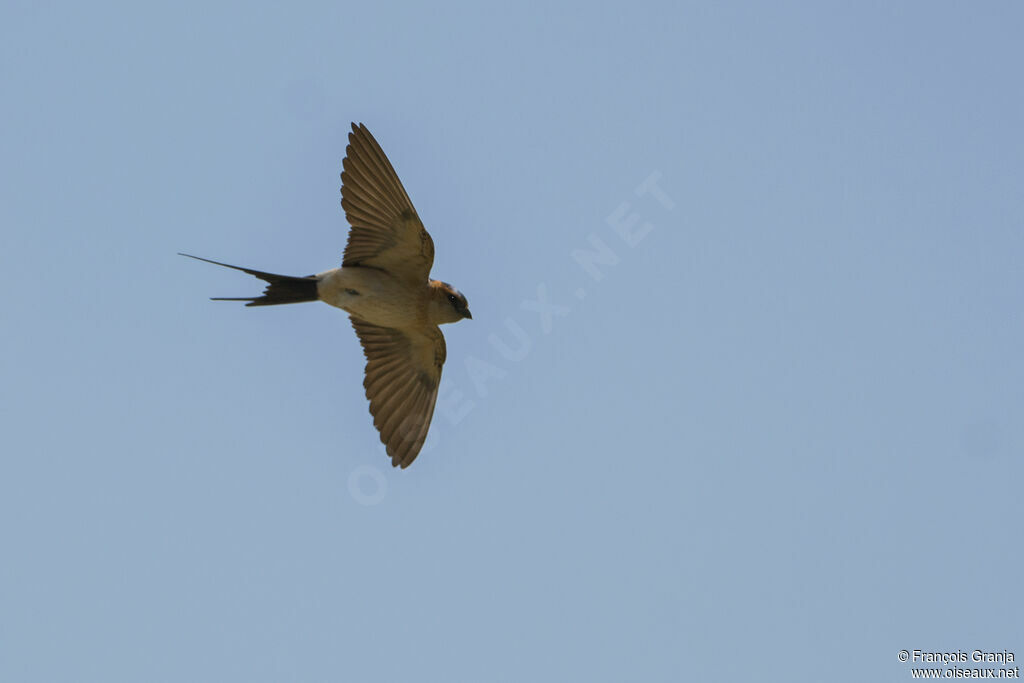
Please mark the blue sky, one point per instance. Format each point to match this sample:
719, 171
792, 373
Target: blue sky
774, 434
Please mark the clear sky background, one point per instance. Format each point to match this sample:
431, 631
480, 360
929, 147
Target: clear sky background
775, 435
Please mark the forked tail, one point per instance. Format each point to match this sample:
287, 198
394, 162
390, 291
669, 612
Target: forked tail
282, 289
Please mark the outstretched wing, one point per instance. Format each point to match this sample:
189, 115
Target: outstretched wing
386, 230
403, 371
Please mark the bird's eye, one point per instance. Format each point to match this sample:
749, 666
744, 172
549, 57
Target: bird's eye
451, 297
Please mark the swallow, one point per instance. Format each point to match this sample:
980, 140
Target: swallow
384, 285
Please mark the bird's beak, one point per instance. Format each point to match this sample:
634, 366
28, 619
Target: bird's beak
468, 314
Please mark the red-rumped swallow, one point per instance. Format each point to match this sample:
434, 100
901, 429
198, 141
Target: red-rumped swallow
384, 285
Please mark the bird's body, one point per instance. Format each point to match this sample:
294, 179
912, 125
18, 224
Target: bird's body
384, 285
376, 296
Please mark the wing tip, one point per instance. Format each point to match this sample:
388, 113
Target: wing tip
357, 129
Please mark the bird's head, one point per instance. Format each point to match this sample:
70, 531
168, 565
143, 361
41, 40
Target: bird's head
447, 304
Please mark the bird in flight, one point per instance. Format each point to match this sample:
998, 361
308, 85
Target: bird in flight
384, 285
